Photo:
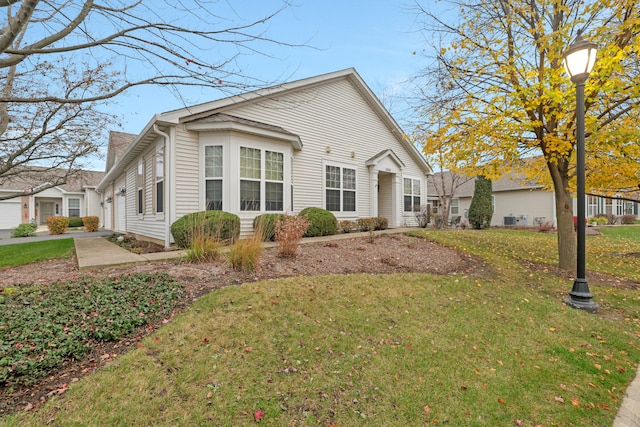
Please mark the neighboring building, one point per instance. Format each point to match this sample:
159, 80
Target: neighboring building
325, 141
522, 202
76, 198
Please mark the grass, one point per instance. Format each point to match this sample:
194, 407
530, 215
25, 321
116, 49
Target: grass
404, 349
25, 253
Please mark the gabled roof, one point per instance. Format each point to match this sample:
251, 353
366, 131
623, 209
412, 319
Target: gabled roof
118, 143
384, 154
509, 182
36, 176
159, 123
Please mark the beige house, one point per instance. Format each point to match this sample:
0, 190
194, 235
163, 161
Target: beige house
76, 198
325, 141
521, 202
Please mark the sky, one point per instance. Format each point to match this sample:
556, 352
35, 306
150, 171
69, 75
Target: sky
376, 37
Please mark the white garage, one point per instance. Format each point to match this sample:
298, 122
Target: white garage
10, 211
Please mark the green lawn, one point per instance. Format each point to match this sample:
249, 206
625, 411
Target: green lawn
26, 253
494, 349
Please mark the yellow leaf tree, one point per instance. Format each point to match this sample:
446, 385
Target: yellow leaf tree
503, 94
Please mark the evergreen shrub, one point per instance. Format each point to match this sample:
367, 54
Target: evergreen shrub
221, 225
321, 222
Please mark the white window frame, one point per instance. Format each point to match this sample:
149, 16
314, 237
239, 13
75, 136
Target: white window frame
341, 189
262, 179
454, 209
158, 178
412, 194
69, 207
214, 177
140, 186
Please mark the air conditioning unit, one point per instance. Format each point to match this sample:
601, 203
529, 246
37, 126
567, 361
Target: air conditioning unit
539, 220
523, 219
510, 220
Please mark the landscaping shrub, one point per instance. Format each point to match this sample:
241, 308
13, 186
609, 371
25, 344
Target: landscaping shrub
46, 325
380, 223
57, 224
76, 222
221, 225
321, 222
366, 224
244, 254
628, 219
611, 219
26, 230
423, 215
575, 223
91, 223
348, 226
481, 209
267, 225
289, 232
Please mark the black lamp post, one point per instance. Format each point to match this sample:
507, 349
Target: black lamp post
578, 61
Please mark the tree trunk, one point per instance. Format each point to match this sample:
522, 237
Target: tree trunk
567, 246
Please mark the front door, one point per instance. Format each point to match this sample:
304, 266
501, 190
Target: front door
47, 210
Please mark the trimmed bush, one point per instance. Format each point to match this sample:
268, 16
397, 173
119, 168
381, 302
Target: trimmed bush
380, 223
27, 230
628, 219
348, 226
267, 225
57, 224
222, 225
321, 222
91, 223
366, 224
76, 222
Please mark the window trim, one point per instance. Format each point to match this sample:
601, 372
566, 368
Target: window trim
457, 206
342, 190
79, 208
263, 181
159, 179
219, 178
412, 195
140, 186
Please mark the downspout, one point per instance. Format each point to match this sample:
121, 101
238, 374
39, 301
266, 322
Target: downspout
167, 193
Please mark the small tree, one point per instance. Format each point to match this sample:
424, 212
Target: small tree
481, 209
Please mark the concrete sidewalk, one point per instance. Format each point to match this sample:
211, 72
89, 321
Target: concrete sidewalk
97, 252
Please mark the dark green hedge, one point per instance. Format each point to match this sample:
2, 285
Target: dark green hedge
217, 224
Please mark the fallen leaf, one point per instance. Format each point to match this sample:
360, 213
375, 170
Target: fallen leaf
559, 399
501, 401
427, 409
258, 415
574, 402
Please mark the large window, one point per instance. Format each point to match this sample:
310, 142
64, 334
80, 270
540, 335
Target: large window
411, 194
74, 208
160, 180
340, 189
261, 178
213, 177
140, 186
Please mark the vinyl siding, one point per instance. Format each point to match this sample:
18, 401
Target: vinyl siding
187, 177
336, 126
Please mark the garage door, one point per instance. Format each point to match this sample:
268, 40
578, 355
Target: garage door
10, 214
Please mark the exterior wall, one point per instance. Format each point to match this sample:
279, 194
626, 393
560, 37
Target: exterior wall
531, 204
336, 126
10, 213
186, 185
148, 223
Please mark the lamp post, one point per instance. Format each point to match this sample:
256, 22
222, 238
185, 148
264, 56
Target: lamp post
578, 61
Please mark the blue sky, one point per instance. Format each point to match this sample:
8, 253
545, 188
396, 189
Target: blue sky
376, 37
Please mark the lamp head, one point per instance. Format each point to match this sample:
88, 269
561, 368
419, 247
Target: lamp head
579, 59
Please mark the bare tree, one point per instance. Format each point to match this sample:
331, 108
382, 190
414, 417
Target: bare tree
62, 62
